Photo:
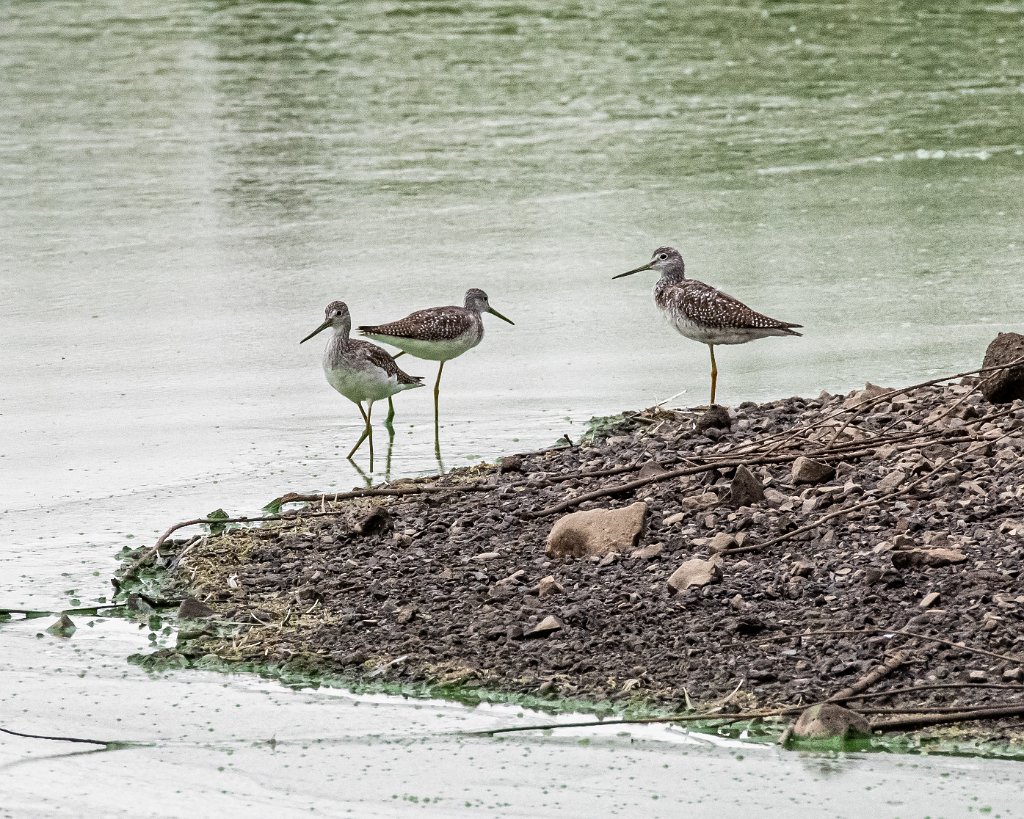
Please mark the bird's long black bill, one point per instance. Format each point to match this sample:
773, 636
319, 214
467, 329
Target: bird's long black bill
319, 329
631, 272
494, 312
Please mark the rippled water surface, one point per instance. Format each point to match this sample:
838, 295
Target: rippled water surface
186, 186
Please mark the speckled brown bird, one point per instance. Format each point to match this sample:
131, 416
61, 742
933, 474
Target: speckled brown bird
437, 334
699, 311
359, 370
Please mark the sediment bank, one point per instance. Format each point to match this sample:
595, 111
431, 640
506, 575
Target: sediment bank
862, 548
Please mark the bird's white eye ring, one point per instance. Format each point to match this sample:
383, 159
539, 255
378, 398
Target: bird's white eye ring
662, 255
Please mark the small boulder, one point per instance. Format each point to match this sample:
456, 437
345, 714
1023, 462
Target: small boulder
549, 625
715, 418
721, 542
549, 586
1004, 386
745, 489
597, 532
64, 626
695, 572
648, 552
929, 600
827, 720
808, 470
891, 481
192, 609
907, 558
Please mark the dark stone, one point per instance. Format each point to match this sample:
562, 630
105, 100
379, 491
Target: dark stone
192, 609
745, 489
716, 417
1004, 386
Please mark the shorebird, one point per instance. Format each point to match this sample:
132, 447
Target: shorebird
699, 311
359, 370
438, 334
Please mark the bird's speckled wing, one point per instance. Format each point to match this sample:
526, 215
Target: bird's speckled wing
432, 324
380, 359
703, 304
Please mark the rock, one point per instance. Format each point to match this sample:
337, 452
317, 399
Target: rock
715, 418
695, 572
891, 481
745, 489
827, 720
192, 609
1004, 386
721, 541
483, 556
977, 676
906, 558
1011, 674
929, 600
648, 552
406, 614
549, 586
549, 625
807, 470
673, 519
376, 520
694, 503
802, 567
860, 396
651, 469
596, 532
64, 626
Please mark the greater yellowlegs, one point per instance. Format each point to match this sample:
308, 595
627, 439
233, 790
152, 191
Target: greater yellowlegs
705, 314
438, 333
359, 370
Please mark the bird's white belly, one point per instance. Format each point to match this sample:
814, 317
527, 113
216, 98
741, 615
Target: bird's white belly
363, 385
707, 335
432, 350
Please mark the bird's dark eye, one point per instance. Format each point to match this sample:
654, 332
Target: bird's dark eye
662, 256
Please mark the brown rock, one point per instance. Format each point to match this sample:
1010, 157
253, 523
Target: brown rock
695, 572
597, 532
648, 552
715, 418
929, 600
827, 720
1003, 386
807, 470
745, 489
549, 625
549, 586
721, 541
192, 609
892, 480
906, 558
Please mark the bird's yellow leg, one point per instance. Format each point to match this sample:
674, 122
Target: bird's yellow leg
714, 373
366, 430
437, 392
369, 430
391, 404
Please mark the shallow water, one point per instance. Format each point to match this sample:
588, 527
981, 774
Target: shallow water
186, 188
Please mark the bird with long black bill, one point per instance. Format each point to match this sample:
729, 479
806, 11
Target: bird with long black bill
699, 311
359, 370
438, 334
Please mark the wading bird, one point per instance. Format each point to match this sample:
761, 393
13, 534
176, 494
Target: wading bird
359, 370
438, 334
699, 311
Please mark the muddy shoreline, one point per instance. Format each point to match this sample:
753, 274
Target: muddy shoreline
864, 548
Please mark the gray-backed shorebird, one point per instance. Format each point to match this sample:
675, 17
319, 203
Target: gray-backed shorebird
359, 370
438, 333
705, 314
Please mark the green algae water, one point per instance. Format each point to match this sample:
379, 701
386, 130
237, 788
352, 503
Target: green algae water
187, 185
